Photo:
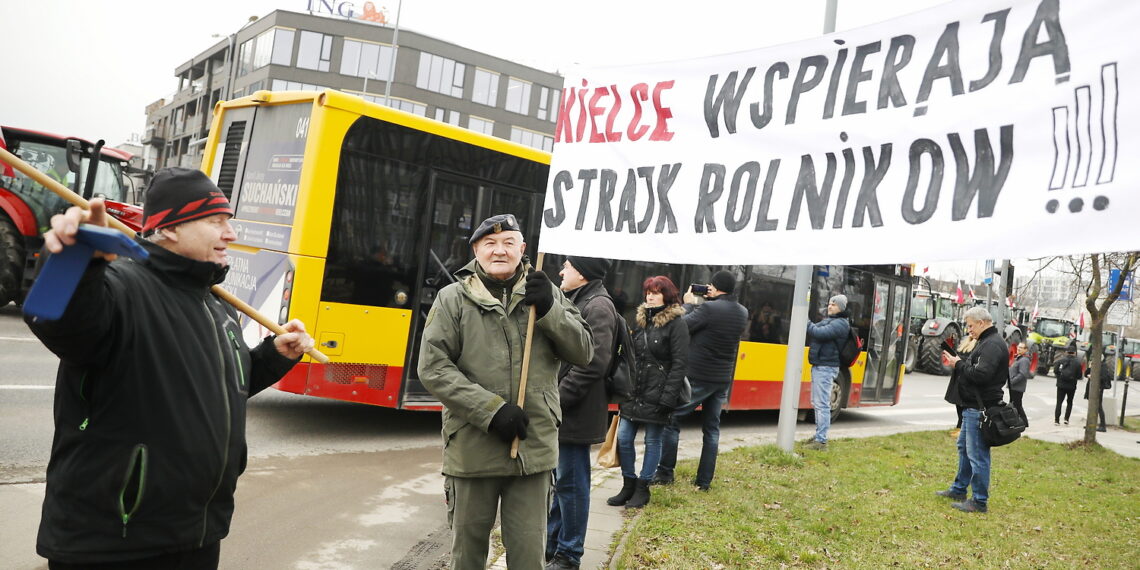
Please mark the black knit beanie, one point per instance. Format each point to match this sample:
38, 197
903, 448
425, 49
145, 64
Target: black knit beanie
177, 195
724, 281
590, 267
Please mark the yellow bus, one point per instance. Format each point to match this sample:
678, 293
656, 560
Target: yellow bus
351, 216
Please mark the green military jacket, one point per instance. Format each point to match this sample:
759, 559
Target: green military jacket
471, 358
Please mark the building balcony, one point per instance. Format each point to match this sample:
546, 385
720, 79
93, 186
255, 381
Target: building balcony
154, 137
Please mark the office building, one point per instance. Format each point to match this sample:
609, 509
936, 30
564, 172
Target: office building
288, 51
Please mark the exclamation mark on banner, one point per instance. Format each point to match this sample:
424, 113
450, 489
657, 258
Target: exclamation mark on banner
1087, 143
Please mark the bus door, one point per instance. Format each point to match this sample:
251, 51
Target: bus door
886, 342
455, 206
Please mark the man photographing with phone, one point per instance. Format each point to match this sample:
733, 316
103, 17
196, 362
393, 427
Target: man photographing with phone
715, 328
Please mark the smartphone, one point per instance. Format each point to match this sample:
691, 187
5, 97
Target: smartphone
699, 289
946, 346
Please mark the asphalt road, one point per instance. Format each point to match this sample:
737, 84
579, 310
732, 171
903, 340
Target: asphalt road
339, 485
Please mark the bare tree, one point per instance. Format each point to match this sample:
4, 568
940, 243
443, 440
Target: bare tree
1091, 271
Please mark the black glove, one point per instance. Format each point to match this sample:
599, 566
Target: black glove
539, 293
510, 421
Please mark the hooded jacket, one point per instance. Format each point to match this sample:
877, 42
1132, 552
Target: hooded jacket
825, 338
984, 372
715, 328
662, 347
471, 359
150, 405
582, 389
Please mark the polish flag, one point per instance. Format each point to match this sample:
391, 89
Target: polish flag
961, 299
1033, 315
973, 297
926, 270
1082, 321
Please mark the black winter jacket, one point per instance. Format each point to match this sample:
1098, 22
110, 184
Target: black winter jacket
582, 389
984, 372
662, 347
825, 337
150, 404
1068, 372
715, 327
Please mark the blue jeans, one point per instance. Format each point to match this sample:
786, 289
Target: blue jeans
711, 397
570, 509
973, 458
822, 378
627, 432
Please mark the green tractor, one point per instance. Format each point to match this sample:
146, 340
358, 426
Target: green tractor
933, 319
1048, 339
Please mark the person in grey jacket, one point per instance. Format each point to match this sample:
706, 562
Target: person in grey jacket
1018, 380
826, 336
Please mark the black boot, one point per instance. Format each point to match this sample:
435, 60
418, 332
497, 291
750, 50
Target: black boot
640, 496
627, 487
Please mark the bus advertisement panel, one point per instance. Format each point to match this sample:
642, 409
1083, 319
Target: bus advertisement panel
351, 216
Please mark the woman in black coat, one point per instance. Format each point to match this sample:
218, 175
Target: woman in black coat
661, 344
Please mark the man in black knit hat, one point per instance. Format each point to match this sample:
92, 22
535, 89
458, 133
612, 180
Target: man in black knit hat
715, 328
582, 393
151, 393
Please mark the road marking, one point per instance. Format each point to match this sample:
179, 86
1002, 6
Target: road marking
25, 387
19, 339
903, 411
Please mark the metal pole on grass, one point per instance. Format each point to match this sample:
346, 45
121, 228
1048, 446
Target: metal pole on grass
797, 331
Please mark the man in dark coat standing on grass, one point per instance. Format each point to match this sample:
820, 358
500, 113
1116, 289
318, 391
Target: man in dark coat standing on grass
982, 375
715, 328
582, 392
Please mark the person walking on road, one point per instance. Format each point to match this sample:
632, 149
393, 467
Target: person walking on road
823, 355
981, 375
1019, 380
661, 344
150, 398
471, 359
715, 328
1068, 372
582, 392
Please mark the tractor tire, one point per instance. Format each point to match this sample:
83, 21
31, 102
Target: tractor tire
911, 359
930, 357
11, 262
1013, 340
1044, 362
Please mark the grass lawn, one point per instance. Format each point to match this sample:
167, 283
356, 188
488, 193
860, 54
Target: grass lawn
1132, 423
870, 503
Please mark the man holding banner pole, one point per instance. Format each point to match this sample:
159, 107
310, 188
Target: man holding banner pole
471, 358
151, 392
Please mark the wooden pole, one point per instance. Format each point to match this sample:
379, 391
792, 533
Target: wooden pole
77, 200
526, 359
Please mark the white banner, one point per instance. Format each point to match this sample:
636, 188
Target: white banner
978, 129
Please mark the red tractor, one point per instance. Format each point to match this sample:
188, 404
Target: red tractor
26, 206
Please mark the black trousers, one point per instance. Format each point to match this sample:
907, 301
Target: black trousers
205, 558
1064, 394
1015, 398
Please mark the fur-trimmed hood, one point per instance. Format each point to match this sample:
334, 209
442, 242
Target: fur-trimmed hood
662, 318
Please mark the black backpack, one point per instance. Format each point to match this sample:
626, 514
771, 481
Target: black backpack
619, 379
850, 347
623, 364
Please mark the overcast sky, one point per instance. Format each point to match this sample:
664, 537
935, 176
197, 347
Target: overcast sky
89, 68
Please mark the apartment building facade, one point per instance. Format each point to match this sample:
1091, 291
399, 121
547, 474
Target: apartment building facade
289, 51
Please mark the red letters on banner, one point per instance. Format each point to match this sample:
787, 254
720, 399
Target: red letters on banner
598, 114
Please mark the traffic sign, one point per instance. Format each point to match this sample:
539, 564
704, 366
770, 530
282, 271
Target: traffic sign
1126, 290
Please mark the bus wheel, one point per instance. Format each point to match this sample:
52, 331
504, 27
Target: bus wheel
11, 261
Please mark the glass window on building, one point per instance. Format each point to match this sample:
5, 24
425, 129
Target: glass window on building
555, 102
401, 104
262, 49
481, 125
441, 75
366, 59
446, 116
532, 139
486, 90
315, 51
518, 96
282, 47
282, 85
245, 58
544, 103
